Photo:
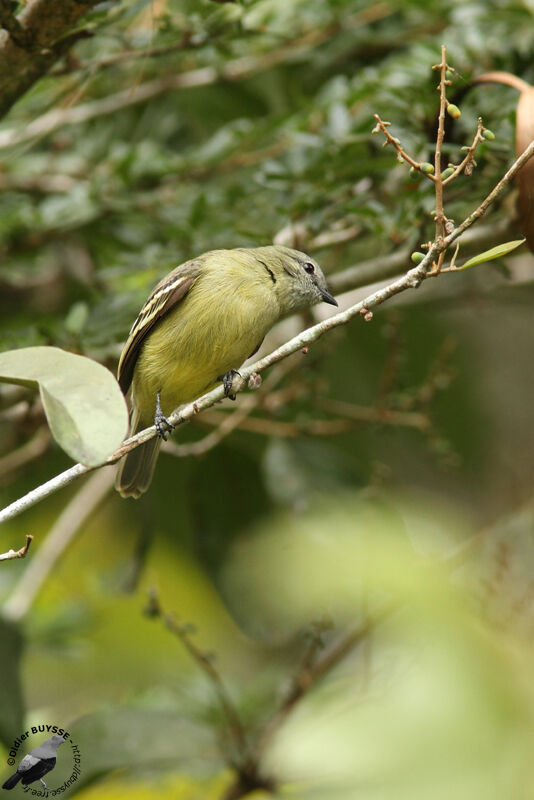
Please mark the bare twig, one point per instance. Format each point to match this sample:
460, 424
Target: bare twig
67, 525
326, 661
468, 159
384, 416
17, 553
438, 180
382, 125
205, 662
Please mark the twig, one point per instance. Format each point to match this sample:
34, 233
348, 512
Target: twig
438, 180
383, 126
411, 280
468, 160
67, 525
17, 553
329, 659
384, 416
354, 416
204, 661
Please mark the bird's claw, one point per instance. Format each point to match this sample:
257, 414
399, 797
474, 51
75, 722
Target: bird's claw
228, 381
163, 425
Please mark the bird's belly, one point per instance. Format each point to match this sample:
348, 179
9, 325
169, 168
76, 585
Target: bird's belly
183, 358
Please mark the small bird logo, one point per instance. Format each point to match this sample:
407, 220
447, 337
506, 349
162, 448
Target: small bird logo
37, 763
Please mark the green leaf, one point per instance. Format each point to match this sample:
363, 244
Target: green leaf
493, 253
83, 403
11, 718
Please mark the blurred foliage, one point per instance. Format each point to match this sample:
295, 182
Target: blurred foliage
284, 523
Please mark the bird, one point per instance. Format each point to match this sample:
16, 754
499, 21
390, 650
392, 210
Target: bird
199, 324
36, 763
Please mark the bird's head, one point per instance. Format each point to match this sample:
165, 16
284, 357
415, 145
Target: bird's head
56, 740
299, 280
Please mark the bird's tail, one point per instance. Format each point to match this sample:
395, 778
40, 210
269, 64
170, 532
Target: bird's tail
137, 467
12, 781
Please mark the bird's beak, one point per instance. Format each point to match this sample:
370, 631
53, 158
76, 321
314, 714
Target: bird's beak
327, 297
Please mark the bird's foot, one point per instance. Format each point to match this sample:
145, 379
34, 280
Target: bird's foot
163, 426
228, 381
44, 784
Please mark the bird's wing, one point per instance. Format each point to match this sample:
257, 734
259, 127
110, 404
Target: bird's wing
40, 768
28, 762
165, 296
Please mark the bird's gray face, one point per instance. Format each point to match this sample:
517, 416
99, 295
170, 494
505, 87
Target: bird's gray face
310, 279
57, 740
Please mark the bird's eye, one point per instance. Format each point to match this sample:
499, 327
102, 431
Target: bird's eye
308, 267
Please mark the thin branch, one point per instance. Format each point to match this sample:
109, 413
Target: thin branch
411, 280
205, 662
507, 178
438, 180
17, 553
466, 162
68, 524
384, 416
402, 155
353, 417
326, 661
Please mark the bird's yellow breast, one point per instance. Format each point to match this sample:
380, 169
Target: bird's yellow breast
216, 327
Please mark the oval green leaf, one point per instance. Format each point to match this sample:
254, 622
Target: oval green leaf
83, 403
490, 255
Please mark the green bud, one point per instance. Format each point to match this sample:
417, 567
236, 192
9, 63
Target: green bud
453, 111
447, 173
427, 167
416, 257
489, 135
449, 75
414, 173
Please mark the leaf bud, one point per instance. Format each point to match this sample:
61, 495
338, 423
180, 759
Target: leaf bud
416, 257
453, 111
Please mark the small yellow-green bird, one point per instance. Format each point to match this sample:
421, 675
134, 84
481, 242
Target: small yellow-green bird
197, 327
